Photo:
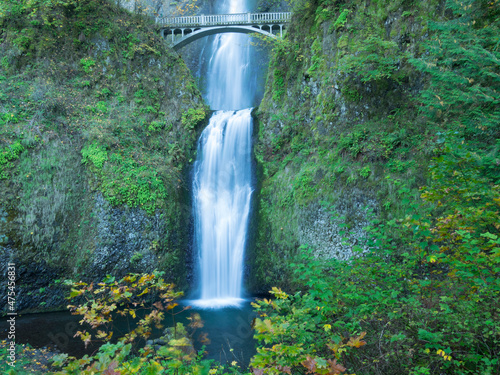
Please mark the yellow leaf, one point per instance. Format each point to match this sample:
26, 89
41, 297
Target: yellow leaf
357, 341
171, 306
183, 341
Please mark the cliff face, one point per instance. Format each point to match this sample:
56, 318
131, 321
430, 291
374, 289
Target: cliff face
338, 128
99, 124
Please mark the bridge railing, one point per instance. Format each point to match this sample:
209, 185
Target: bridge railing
225, 19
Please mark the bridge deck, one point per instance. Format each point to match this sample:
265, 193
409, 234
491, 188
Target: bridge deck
224, 19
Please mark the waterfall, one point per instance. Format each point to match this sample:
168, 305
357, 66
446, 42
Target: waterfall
222, 191
222, 183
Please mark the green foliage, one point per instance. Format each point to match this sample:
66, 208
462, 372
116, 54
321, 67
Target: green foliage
67, 97
375, 59
145, 300
91, 103
416, 281
316, 59
296, 336
463, 66
351, 93
95, 154
365, 172
7, 155
136, 257
423, 281
125, 181
192, 118
22, 361
352, 142
278, 85
155, 126
342, 19
303, 186
87, 64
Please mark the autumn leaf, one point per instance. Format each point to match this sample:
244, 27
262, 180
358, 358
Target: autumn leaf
101, 334
171, 306
285, 369
335, 368
310, 365
158, 305
183, 341
111, 369
75, 293
258, 371
203, 338
278, 293
356, 342
87, 339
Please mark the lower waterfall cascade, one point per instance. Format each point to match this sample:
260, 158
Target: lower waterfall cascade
222, 191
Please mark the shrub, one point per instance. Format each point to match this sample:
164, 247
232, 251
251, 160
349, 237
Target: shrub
87, 64
192, 117
95, 154
145, 300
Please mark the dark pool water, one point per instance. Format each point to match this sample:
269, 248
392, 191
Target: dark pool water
228, 329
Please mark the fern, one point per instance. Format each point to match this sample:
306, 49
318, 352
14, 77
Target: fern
463, 61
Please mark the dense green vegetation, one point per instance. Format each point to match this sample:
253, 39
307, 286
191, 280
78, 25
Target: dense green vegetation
101, 92
92, 104
420, 295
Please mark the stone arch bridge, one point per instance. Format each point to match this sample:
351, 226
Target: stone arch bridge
184, 30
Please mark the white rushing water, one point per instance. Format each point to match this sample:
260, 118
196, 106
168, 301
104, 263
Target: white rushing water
222, 184
229, 66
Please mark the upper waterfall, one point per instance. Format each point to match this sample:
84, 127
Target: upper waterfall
229, 78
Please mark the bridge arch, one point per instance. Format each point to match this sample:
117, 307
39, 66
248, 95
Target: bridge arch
191, 28
192, 34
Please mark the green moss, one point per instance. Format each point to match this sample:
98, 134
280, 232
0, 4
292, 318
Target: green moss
92, 94
7, 155
125, 181
343, 41
193, 117
342, 19
278, 85
95, 154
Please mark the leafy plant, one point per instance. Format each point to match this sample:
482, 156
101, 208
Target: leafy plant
7, 155
278, 85
298, 333
144, 299
376, 60
463, 65
365, 172
87, 64
342, 19
95, 154
155, 126
136, 257
192, 117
